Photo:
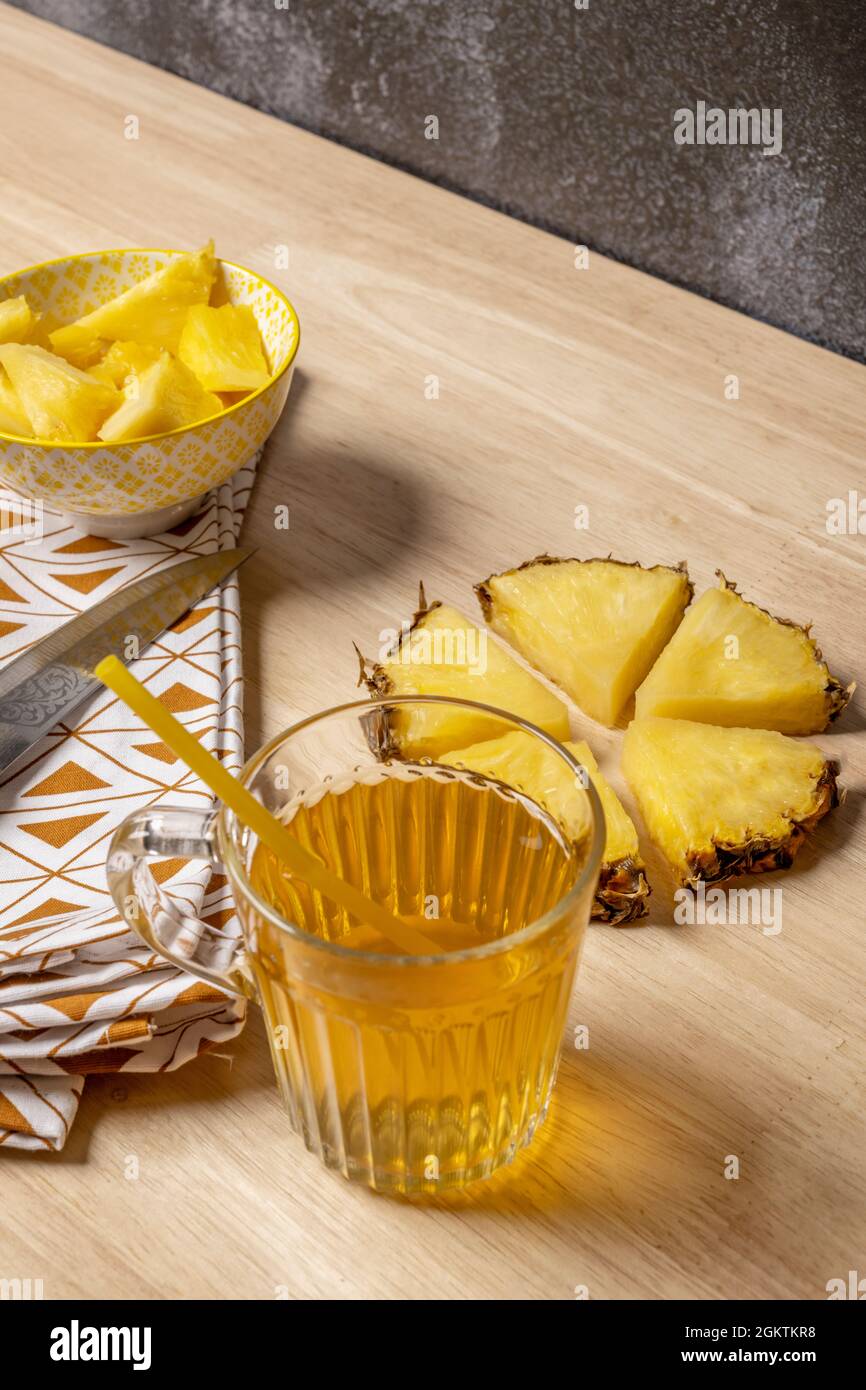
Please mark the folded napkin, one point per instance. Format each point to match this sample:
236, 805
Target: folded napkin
79, 992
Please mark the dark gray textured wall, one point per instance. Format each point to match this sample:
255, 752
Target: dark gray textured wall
565, 117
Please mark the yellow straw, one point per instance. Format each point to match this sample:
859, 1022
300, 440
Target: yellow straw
252, 813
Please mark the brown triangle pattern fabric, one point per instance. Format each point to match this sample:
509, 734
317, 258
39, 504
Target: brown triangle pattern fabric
85, 581
51, 907
161, 751
180, 699
196, 616
59, 832
79, 992
89, 545
71, 777
8, 594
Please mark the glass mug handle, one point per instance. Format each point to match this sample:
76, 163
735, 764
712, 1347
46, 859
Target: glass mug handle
162, 832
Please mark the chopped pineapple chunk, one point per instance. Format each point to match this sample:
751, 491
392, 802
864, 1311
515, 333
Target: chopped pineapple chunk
722, 801
593, 626
443, 653
621, 840
123, 360
17, 320
224, 348
83, 353
61, 402
529, 766
732, 663
13, 418
164, 397
153, 311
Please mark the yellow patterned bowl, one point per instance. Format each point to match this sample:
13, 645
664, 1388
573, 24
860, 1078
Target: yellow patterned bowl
142, 486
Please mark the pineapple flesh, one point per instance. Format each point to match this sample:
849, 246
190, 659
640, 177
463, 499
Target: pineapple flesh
13, 419
224, 348
531, 767
442, 653
123, 360
17, 320
594, 627
60, 402
725, 801
152, 312
731, 663
166, 396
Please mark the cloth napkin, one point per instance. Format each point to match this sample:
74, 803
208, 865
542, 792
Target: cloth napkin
79, 992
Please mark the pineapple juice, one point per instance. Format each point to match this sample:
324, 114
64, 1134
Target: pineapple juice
417, 1074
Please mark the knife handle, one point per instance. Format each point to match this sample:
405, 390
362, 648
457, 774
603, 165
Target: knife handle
173, 832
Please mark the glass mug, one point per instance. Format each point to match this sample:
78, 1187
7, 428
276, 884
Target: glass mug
410, 1073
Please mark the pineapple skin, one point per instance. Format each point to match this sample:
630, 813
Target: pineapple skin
603, 707
524, 764
820, 700
623, 887
429, 733
715, 854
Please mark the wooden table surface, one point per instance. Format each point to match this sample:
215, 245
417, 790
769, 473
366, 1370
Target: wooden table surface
558, 387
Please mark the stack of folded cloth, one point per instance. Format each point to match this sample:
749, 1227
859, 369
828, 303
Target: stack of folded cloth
79, 992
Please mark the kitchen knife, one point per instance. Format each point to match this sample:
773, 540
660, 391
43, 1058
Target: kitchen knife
40, 687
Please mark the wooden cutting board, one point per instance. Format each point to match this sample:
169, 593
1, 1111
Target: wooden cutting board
463, 387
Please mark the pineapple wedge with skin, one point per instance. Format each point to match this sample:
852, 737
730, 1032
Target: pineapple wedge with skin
442, 653
166, 396
594, 627
732, 663
123, 360
529, 766
152, 312
13, 419
719, 802
18, 322
61, 402
223, 347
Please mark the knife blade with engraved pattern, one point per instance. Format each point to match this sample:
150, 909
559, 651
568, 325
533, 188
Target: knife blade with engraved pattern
41, 686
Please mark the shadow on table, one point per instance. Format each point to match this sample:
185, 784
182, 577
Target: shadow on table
622, 1142
352, 518
349, 509
832, 834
